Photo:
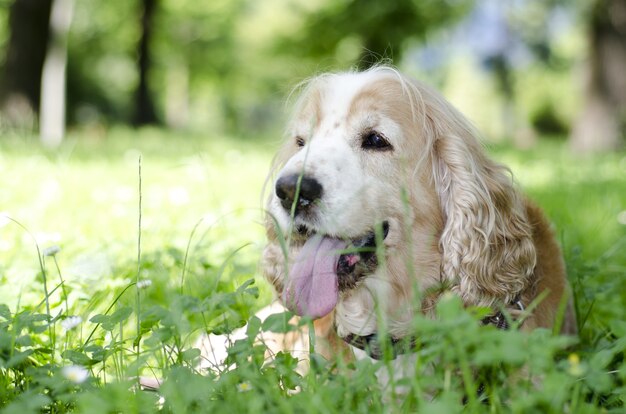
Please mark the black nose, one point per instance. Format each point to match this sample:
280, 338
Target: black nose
308, 190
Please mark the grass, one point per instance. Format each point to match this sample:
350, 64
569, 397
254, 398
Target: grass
200, 243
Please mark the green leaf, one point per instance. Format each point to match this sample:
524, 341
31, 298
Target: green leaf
38, 317
619, 328
244, 286
449, 307
121, 314
18, 358
601, 359
38, 328
24, 340
159, 337
137, 341
97, 352
99, 318
109, 322
28, 402
279, 323
5, 312
240, 350
152, 316
78, 358
254, 325
47, 351
189, 355
93, 348
599, 381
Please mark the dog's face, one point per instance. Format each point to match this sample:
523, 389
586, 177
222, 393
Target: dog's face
347, 157
376, 162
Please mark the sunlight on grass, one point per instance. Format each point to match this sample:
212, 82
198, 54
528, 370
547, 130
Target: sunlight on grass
84, 198
201, 242
583, 196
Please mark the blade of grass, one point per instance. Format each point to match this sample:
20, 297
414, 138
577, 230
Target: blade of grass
137, 342
42, 267
117, 298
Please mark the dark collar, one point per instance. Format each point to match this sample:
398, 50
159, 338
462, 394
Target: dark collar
375, 349
372, 345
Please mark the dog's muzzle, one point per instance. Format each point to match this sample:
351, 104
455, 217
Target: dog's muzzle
299, 191
360, 260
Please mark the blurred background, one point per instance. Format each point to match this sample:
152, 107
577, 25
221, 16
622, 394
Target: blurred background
522, 70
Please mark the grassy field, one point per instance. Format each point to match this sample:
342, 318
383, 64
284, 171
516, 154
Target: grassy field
70, 339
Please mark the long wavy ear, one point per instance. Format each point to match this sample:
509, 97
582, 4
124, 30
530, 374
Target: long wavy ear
487, 248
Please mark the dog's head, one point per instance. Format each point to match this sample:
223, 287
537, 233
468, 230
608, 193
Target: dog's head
381, 191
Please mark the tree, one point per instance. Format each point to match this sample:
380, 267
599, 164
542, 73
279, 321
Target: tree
144, 103
20, 86
53, 77
379, 28
600, 125
201, 50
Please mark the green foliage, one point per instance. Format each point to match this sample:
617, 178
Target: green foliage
50, 362
101, 66
224, 64
366, 31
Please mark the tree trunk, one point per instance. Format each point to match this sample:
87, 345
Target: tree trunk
144, 104
600, 125
177, 96
20, 87
52, 108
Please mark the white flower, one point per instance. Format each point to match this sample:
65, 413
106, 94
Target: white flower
71, 322
75, 373
51, 251
621, 217
178, 196
161, 402
142, 284
244, 386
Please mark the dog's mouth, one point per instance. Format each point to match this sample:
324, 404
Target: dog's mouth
327, 266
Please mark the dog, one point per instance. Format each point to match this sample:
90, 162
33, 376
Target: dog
380, 196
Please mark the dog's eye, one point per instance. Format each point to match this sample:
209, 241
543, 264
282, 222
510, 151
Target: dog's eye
300, 142
375, 141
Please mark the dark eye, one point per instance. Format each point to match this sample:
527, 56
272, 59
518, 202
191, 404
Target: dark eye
375, 141
300, 141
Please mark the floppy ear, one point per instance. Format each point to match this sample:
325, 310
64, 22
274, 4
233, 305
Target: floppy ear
487, 248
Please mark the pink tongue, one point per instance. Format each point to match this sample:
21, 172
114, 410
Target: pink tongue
311, 288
